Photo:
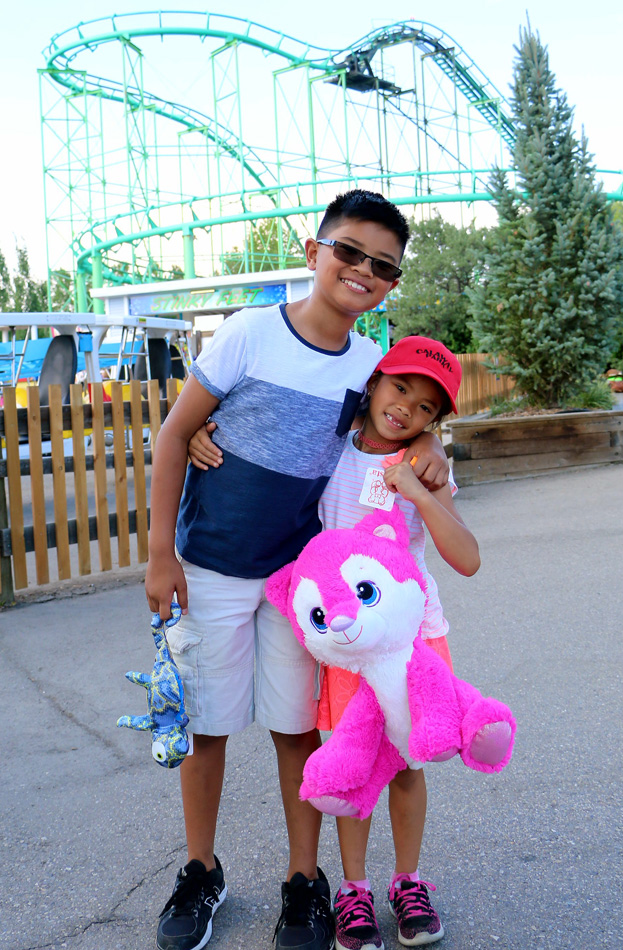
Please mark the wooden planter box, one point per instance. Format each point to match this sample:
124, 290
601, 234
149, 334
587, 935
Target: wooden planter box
491, 449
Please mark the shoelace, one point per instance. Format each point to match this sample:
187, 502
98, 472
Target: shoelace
298, 907
411, 899
356, 909
185, 895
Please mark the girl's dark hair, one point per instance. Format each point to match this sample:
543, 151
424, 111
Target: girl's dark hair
446, 409
363, 205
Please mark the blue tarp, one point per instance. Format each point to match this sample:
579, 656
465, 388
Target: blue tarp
35, 354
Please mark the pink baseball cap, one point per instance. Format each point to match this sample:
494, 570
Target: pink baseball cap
420, 354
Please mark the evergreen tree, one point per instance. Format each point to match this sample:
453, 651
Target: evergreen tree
551, 289
441, 262
617, 354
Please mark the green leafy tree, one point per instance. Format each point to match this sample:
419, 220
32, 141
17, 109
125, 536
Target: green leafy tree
441, 263
6, 287
551, 289
62, 291
270, 245
29, 295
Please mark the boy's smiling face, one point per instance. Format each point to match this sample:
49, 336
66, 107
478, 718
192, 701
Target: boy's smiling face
352, 288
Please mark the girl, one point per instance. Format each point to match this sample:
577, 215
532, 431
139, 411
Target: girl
413, 387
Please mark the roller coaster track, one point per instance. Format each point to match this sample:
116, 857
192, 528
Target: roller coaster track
352, 67
448, 55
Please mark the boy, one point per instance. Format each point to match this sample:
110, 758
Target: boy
283, 384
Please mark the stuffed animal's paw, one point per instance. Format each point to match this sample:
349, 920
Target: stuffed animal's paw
490, 744
330, 805
447, 755
488, 732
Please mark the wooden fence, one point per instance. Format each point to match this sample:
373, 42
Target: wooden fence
117, 454
479, 385
115, 436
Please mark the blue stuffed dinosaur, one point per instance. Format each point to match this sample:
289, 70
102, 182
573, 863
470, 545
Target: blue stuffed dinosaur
166, 718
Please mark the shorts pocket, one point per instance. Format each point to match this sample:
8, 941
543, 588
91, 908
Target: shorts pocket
187, 662
181, 639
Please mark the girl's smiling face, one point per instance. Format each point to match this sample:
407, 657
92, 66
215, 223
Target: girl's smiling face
401, 406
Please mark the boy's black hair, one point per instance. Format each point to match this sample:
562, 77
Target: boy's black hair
363, 205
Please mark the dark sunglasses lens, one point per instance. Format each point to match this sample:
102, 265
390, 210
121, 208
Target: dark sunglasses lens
346, 253
385, 271
352, 255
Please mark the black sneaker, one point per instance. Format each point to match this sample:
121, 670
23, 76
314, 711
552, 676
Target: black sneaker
306, 922
186, 919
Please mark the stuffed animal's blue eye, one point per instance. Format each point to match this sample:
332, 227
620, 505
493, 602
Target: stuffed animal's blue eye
317, 619
368, 593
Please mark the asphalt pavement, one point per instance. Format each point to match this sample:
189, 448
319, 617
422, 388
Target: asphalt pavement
91, 831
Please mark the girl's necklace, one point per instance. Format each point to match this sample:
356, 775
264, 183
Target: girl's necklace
388, 446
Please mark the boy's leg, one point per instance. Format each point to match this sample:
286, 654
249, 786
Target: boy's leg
201, 777
287, 691
213, 646
302, 819
418, 922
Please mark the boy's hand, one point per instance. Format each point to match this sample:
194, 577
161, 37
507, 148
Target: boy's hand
432, 466
164, 583
202, 451
402, 478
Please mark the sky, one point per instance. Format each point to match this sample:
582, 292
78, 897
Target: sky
585, 44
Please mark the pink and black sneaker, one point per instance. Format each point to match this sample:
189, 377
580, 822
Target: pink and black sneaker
355, 921
418, 922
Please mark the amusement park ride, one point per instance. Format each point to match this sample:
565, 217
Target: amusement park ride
231, 174
193, 153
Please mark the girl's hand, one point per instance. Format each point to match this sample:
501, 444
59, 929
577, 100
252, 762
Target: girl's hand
432, 466
202, 451
402, 478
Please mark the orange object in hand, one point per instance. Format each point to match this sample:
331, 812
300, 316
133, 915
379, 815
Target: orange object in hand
413, 461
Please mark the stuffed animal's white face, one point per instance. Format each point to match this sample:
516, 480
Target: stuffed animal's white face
361, 617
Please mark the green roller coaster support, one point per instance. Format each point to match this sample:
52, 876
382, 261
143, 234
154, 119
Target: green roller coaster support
189, 254
97, 280
139, 187
376, 326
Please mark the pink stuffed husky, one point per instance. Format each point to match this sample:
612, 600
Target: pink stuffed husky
355, 598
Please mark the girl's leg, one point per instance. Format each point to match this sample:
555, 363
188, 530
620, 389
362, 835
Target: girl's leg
407, 812
201, 776
418, 922
355, 920
353, 837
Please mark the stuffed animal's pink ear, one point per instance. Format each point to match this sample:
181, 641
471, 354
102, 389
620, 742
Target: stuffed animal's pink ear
386, 524
278, 587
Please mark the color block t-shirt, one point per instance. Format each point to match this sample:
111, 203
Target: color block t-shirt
286, 408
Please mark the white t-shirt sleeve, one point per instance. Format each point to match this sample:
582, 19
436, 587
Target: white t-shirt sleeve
222, 363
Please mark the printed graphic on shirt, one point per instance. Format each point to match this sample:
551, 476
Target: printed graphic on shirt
375, 493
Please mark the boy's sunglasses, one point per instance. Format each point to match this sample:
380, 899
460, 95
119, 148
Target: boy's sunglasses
352, 255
